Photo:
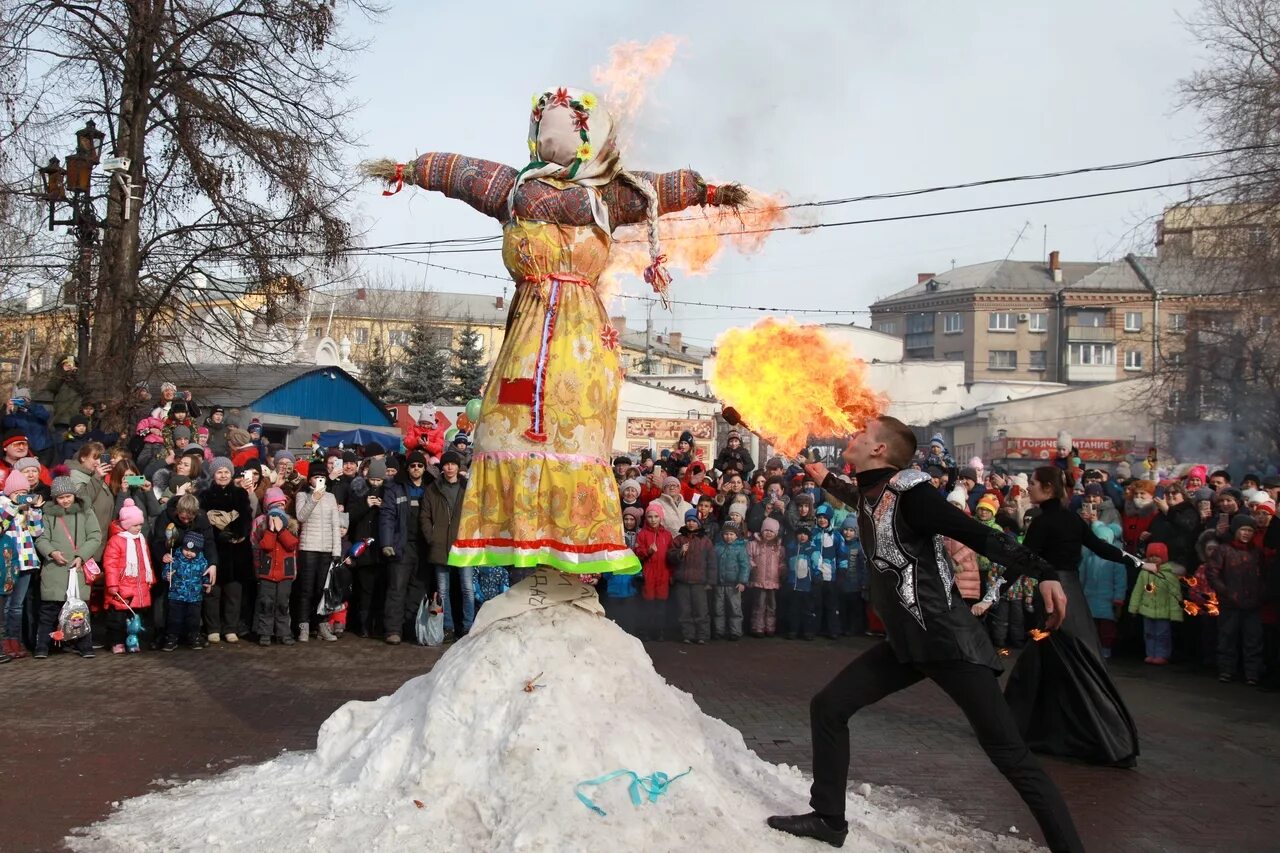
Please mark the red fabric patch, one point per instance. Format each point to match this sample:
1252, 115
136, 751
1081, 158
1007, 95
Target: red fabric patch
516, 392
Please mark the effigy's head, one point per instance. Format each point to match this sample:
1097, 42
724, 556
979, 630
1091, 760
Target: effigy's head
571, 129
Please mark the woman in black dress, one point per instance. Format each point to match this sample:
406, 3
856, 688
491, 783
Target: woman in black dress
1059, 690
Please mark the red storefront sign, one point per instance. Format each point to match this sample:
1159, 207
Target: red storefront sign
1090, 449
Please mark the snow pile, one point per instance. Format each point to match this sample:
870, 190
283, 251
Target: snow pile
494, 766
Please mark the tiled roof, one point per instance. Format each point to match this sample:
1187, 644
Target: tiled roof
997, 277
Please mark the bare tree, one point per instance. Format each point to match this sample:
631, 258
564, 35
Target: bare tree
233, 118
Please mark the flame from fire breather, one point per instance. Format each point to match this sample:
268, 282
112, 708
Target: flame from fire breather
1038, 635
691, 239
767, 373
1191, 608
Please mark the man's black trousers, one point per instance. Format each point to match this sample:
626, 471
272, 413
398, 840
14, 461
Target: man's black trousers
878, 673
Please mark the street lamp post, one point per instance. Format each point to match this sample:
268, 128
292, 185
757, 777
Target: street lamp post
76, 179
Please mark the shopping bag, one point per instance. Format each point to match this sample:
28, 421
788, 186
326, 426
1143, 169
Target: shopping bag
73, 619
334, 597
429, 626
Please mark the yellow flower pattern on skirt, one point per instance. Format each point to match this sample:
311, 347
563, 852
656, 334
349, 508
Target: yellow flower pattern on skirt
541, 488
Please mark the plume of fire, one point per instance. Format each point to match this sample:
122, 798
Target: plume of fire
631, 68
1191, 608
692, 239
1038, 635
1190, 580
766, 372
1211, 604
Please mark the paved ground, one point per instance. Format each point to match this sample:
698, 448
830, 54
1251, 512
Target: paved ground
1209, 777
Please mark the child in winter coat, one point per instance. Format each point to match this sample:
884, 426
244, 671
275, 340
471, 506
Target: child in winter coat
852, 580
803, 560
1235, 573
320, 542
277, 567
1104, 584
126, 567
825, 596
190, 577
693, 560
22, 522
621, 590
653, 543
767, 556
1157, 598
71, 536
733, 573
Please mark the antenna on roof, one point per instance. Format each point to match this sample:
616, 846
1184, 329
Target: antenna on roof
1017, 239
1044, 249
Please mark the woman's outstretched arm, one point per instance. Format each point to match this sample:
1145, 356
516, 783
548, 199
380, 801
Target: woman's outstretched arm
482, 184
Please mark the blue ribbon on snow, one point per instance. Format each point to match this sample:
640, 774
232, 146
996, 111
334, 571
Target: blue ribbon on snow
653, 786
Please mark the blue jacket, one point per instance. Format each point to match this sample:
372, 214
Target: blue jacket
800, 577
33, 420
393, 519
835, 553
733, 565
852, 574
187, 583
1104, 582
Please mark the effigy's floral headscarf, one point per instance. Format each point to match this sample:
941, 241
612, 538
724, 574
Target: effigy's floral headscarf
572, 141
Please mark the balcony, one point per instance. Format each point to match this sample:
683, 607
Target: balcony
1091, 372
1091, 333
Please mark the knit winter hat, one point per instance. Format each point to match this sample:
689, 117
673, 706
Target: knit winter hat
274, 495
1263, 502
958, 497
27, 462
451, 457
416, 456
669, 482
1022, 481
220, 462
254, 426
803, 499
79, 420
1242, 520
850, 522
770, 524
689, 515
969, 473
181, 432
1200, 472
15, 482
130, 514
732, 527
1204, 493
238, 438
824, 510
775, 462
629, 484
283, 454
192, 541
377, 470
634, 512
653, 509
61, 486
1093, 490
1157, 552
989, 501
202, 431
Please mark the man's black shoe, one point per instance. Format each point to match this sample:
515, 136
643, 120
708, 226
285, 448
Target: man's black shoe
811, 825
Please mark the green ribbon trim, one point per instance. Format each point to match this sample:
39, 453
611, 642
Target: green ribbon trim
628, 565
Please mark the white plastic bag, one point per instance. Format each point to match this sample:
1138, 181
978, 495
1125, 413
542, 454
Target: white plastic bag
429, 626
73, 619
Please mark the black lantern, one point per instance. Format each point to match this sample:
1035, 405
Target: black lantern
79, 171
89, 142
55, 180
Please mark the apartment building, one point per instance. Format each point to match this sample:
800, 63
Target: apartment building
1074, 323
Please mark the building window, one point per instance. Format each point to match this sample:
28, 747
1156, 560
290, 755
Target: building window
954, 355
1038, 360
888, 327
1002, 321
362, 334
1002, 359
1174, 359
1038, 322
1133, 321
1264, 322
952, 323
1092, 354
1133, 359
1177, 322
1175, 399
480, 342
398, 337
1091, 318
317, 332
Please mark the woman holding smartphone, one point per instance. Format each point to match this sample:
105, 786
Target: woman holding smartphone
126, 482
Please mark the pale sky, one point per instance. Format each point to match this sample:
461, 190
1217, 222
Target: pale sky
817, 100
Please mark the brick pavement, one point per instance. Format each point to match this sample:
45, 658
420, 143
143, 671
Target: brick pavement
1206, 780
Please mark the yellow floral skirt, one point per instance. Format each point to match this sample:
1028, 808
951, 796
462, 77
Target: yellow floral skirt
541, 489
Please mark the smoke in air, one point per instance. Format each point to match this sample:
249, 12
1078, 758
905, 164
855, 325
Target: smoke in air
766, 372
691, 239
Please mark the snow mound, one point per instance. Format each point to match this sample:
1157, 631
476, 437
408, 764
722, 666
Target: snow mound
494, 767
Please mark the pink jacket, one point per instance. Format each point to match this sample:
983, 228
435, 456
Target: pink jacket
135, 590
965, 561
767, 563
